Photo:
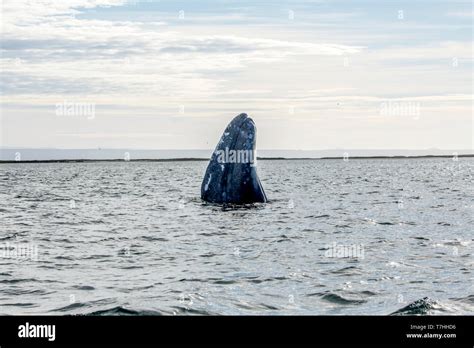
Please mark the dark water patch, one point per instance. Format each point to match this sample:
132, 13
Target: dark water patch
283, 238
70, 307
236, 207
63, 240
347, 271
145, 287
203, 280
246, 306
468, 299
210, 254
419, 307
338, 299
367, 293
63, 257
79, 305
23, 224
210, 234
258, 281
83, 287
20, 304
18, 280
97, 257
10, 236
131, 267
267, 306
191, 311
317, 216
16, 292
343, 226
154, 239
225, 281
121, 311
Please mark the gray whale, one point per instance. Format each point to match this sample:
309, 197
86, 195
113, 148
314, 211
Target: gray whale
231, 176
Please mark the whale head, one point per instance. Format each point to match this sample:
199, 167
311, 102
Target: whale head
231, 176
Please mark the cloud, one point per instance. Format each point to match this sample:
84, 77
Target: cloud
464, 14
52, 50
139, 135
137, 64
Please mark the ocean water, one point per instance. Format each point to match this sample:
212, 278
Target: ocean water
366, 236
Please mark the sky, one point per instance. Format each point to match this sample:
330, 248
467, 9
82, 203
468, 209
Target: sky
170, 74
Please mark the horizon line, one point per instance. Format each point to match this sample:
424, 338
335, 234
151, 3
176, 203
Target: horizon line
190, 159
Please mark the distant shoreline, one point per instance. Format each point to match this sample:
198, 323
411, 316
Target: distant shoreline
207, 159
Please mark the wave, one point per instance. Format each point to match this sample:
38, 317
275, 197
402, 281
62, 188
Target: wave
428, 306
419, 307
338, 299
121, 311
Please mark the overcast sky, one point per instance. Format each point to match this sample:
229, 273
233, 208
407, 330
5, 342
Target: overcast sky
171, 74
